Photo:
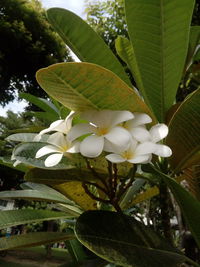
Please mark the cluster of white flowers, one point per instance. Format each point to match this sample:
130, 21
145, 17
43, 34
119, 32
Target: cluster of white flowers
121, 133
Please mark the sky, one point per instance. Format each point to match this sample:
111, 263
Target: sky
76, 6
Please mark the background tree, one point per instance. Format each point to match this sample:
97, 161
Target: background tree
27, 43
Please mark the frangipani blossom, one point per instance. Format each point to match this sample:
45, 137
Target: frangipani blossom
58, 147
62, 126
103, 126
137, 127
157, 133
136, 153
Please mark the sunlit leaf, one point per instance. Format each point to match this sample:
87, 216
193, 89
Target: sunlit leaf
84, 41
75, 192
84, 86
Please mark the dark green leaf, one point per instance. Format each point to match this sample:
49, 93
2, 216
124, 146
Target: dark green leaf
125, 241
10, 218
184, 133
33, 239
190, 206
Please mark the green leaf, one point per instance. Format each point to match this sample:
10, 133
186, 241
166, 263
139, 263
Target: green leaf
42, 103
84, 86
9, 163
184, 133
60, 176
189, 206
84, 41
193, 42
159, 33
124, 241
125, 50
10, 218
75, 192
25, 137
46, 116
33, 239
33, 195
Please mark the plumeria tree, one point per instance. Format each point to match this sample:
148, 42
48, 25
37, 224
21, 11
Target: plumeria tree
117, 137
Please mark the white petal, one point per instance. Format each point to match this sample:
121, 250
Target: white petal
141, 118
121, 116
141, 134
115, 158
119, 136
68, 121
46, 150
75, 148
53, 160
140, 159
145, 148
110, 147
52, 127
57, 139
37, 138
107, 118
162, 151
92, 146
17, 162
79, 130
158, 132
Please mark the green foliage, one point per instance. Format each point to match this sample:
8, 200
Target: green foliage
124, 241
105, 90
83, 41
159, 76
33, 239
185, 125
16, 217
27, 43
156, 55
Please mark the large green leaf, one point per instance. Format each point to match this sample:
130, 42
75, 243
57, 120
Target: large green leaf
193, 42
60, 176
75, 192
9, 163
33, 195
123, 240
125, 50
84, 86
189, 205
84, 41
10, 218
25, 137
41, 103
184, 133
33, 239
159, 32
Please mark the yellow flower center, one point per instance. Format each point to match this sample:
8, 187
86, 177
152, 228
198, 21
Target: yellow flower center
127, 155
64, 148
102, 130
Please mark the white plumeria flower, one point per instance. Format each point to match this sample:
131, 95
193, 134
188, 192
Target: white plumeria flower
104, 126
59, 146
62, 126
137, 127
157, 133
137, 153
